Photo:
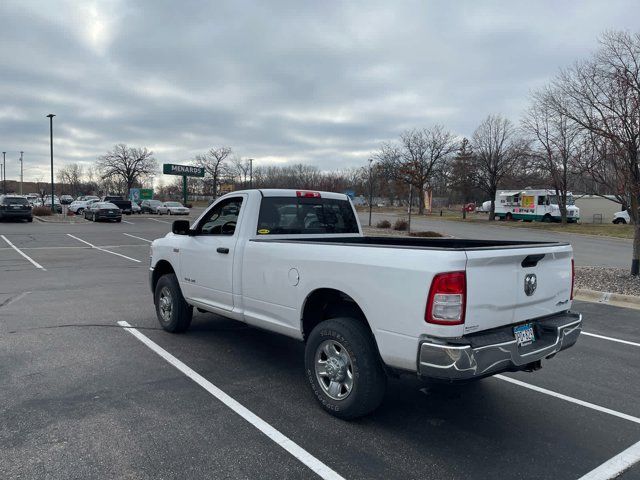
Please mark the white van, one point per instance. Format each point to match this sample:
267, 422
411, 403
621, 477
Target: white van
533, 205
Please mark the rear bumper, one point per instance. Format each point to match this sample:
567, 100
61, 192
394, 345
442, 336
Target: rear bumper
496, 351
15, 214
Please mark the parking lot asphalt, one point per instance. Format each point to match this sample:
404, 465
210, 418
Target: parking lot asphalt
81, 397
589, 250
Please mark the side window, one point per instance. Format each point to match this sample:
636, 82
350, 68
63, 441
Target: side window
541, 199
221, 219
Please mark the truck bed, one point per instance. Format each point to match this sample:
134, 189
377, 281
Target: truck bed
455, 244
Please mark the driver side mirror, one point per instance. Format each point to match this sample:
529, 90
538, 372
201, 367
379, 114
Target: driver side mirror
180, 227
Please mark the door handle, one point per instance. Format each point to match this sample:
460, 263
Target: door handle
222, 250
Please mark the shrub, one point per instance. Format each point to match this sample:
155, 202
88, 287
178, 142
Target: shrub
401, 224
41, 211
383, 224
428, 233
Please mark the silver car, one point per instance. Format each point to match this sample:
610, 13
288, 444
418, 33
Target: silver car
173, 208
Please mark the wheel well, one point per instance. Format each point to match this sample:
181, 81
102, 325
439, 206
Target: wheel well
162, 268
326, 303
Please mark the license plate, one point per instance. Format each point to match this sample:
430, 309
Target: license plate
524, 335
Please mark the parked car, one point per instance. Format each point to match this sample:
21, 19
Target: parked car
172, 208
15, 207
103, 211
150, 206
66, 199
79, 206
622, 217
121, 203
443, 308
87, 197
135, 208
56, 204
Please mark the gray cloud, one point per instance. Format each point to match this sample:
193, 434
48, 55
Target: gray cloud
318, 82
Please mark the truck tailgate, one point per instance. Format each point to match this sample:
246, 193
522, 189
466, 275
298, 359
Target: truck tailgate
496, 292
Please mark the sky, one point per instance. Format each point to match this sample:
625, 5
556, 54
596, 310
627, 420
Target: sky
322, 83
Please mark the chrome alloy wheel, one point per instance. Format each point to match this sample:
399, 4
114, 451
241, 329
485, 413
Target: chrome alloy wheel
165, 304
334, 369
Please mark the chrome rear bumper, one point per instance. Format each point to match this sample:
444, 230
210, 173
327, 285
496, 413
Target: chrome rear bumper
488, 353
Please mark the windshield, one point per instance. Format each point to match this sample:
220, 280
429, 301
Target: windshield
294, 215
106, 205
155, 203
553, 200
173, 204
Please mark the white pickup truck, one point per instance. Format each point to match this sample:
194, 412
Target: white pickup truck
296, 263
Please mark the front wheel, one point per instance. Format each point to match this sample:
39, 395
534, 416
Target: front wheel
172, 310
547, 218
344, 369
79, 211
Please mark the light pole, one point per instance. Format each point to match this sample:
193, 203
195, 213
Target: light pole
250, 173
370, 190
21, 171
50, 116
4, 172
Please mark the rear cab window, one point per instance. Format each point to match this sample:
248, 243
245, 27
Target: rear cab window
305, 215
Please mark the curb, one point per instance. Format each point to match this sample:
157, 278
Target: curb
617, 299
40, 219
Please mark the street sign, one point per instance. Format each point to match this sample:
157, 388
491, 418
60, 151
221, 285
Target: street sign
183, 170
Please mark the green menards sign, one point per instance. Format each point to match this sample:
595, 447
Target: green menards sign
184, 170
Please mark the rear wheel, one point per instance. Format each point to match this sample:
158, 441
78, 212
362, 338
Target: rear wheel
509, 217
547, 218
344, 369
172, 310
80, 211
619, 221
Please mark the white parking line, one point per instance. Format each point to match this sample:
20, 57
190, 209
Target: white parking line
616, 465
130, 223
139, 238
156, 220
626, 342
567, 398
35, 264
104, 250
293, 448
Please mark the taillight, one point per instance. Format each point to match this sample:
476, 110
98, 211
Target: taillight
573, 276
306, 194
447, 299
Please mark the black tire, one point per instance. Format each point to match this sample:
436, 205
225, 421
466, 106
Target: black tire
369, 378
118, 220
508, 217
619, 221
30, 219
179, 318
547, 218
80, 211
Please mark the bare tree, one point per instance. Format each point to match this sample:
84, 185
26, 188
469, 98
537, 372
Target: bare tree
123, 166
556, 141
497, 151
239, 170
602, 95
417, 157
214, 165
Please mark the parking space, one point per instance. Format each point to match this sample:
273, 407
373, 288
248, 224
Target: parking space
84, 398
